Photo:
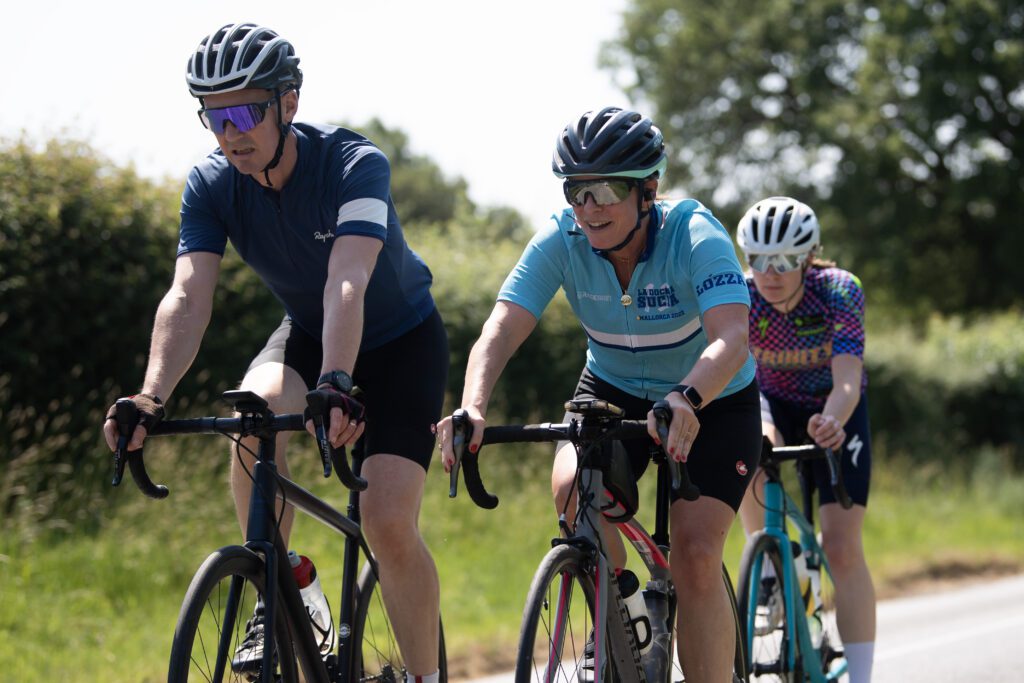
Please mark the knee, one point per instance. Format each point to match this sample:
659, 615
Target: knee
696, 564
844, 553
389, 529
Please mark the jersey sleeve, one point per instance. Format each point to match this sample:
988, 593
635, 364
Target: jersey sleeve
361, 191
847, 306
201, 229
714, 269
538, 274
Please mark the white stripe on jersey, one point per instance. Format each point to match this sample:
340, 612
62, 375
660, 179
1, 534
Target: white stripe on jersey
365, 209
643, 342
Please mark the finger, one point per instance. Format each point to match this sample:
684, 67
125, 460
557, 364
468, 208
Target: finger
137, 438
310, 428
110, 434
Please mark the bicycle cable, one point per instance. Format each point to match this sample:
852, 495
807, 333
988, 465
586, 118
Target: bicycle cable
237, 440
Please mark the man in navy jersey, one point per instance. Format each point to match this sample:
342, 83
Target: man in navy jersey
308, 207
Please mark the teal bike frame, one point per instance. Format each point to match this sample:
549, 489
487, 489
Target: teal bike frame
797, 653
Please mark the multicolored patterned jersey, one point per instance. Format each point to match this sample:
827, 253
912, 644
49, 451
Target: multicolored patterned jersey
794, 350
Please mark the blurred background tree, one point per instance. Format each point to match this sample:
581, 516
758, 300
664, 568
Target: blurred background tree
899, 121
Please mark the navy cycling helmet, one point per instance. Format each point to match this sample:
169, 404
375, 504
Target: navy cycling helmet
239, 56
610, 142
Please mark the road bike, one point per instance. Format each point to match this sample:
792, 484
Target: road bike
228, 585
574, 596
786, 591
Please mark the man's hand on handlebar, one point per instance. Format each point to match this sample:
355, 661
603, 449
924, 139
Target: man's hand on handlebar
151, 411
347, 417
444, 432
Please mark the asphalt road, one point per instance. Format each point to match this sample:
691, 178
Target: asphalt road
970, 634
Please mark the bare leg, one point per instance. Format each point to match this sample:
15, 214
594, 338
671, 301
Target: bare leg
408, 577
285, 391
704, 621
855, 592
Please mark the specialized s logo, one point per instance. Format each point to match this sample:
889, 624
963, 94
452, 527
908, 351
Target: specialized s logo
762, 327
854, 445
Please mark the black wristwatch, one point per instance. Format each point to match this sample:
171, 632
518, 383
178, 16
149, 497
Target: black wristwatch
691, 395
339, 379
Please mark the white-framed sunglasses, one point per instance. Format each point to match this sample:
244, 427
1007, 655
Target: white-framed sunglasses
782, 263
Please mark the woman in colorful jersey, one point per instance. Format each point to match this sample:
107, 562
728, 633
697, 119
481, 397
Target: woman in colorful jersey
660, 294
807, 335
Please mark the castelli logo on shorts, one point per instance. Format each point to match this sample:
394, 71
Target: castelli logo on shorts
741, 467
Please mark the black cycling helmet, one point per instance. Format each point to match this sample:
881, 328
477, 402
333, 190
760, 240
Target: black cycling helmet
610, 142
239, 56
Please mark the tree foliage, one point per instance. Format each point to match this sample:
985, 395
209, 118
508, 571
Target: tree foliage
87, 251
899, 121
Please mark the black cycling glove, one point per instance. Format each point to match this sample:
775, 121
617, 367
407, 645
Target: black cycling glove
349, 406
151, 410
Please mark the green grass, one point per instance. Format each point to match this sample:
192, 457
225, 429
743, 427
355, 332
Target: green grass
101, 605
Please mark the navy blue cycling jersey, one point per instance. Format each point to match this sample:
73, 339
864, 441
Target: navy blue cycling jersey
340, 186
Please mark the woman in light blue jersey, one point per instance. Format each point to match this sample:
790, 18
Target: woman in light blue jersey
661, 296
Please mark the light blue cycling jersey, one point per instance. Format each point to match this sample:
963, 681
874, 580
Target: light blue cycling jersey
646, 339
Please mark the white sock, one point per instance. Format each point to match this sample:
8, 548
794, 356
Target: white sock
860, 657
432, 678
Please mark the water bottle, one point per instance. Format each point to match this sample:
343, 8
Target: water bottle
659, 659
314, 599
629, 587
814, 616
803, 578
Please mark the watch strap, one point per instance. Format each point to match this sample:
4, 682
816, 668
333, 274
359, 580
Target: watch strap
691, 395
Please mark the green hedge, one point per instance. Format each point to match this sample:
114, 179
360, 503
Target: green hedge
948, 385
86, 252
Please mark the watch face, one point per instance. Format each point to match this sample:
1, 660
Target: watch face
338, 379
694, 397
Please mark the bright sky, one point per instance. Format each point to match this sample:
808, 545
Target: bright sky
480, 87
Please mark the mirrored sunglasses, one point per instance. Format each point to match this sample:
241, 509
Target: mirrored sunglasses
604, 191
244, 117
782, 263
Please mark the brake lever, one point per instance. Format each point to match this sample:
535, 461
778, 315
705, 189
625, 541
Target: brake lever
681, 483
462, 432
835, 475
127, 416
320, 413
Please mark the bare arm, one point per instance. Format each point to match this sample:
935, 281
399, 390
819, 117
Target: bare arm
181, 320
505, 331
726, 328
826, 427
353, 258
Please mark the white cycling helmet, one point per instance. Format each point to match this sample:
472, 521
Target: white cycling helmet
779, 225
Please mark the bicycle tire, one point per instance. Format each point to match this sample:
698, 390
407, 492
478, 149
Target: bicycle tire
739, 658
767, 644
203, 616
559, 577
831, 647
377, 656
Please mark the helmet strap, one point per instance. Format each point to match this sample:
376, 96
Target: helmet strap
641, 214
283, 129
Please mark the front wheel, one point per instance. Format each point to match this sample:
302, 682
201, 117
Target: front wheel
212, 625
557, 621
774, 654
376, 656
